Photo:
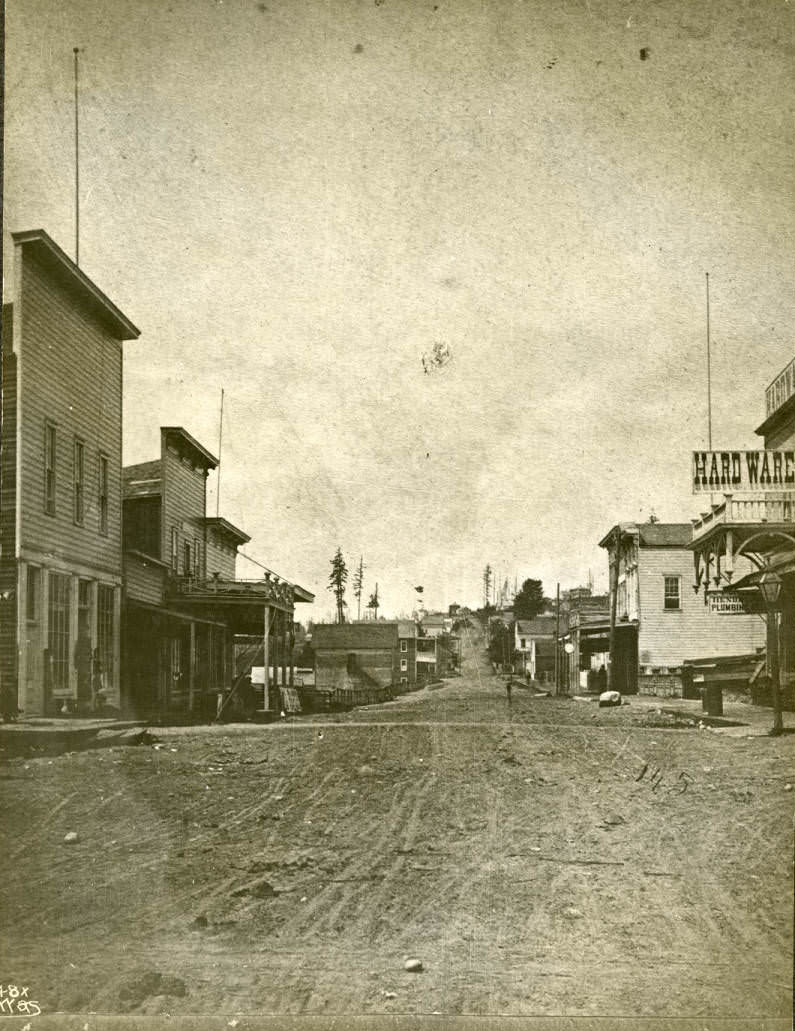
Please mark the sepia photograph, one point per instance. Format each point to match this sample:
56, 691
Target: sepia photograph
397, 515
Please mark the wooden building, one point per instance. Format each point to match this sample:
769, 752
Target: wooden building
183, 606
60, 486
407, 657
749, 533
361, 662
358, 663
584, 641
656, 620
534, 647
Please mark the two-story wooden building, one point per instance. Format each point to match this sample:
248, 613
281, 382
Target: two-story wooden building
534, 647
748, 532
60, 485
656, 620
183, 605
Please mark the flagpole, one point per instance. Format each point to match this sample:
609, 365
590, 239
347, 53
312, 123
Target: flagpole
709, 374
220, 444
709, 384
76, 51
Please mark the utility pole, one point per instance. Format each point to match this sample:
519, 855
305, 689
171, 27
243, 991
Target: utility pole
709, 382
613, 588
220, 445
709, 374
557, 642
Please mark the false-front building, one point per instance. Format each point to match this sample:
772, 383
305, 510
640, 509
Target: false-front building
60, 486
656, 620
184, 606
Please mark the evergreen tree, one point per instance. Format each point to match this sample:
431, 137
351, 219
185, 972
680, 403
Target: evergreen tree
487, 579
358, 583
336, 583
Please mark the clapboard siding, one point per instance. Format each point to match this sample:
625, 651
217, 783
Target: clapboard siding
667, 637
183, 503
220, 557
332, 669
75, 365
144, 581
8, 494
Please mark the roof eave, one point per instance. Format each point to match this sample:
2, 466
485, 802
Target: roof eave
780, 416
46, 248
219, 523
209, 458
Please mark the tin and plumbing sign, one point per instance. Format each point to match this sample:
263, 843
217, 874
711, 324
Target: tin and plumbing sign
736, 472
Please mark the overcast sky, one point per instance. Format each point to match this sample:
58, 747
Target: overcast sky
295, 199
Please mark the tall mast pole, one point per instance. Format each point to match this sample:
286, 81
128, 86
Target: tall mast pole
709, 385
709, 375
220, 445
76, 51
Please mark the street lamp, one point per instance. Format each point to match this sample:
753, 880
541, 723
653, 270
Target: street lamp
770, 589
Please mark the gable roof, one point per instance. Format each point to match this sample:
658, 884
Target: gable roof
665, 535
651, 535
541, 626
344, 636
142, 480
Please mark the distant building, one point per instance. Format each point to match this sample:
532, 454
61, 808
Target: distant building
407, 654
60, 486
584, 643
534, 647
369, 656
656, 621
433, 624
184, 607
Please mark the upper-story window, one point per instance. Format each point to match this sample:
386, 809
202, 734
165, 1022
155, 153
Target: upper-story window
174, 550
197, 557
524, 643
672, 594
404, 646
103, 494
187, 566
49, 468
79, 481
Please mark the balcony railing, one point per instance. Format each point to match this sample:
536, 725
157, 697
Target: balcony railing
217, 588
769, 509
781, 389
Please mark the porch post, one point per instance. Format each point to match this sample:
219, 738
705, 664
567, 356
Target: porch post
292, 650
277, 701
613, 602
774, 667
191, 666
22, 641
74, 597
285, 649
266, 657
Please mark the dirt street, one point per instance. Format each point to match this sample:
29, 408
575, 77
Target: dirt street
543, 858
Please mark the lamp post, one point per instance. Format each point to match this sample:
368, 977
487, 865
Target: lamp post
770, 589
